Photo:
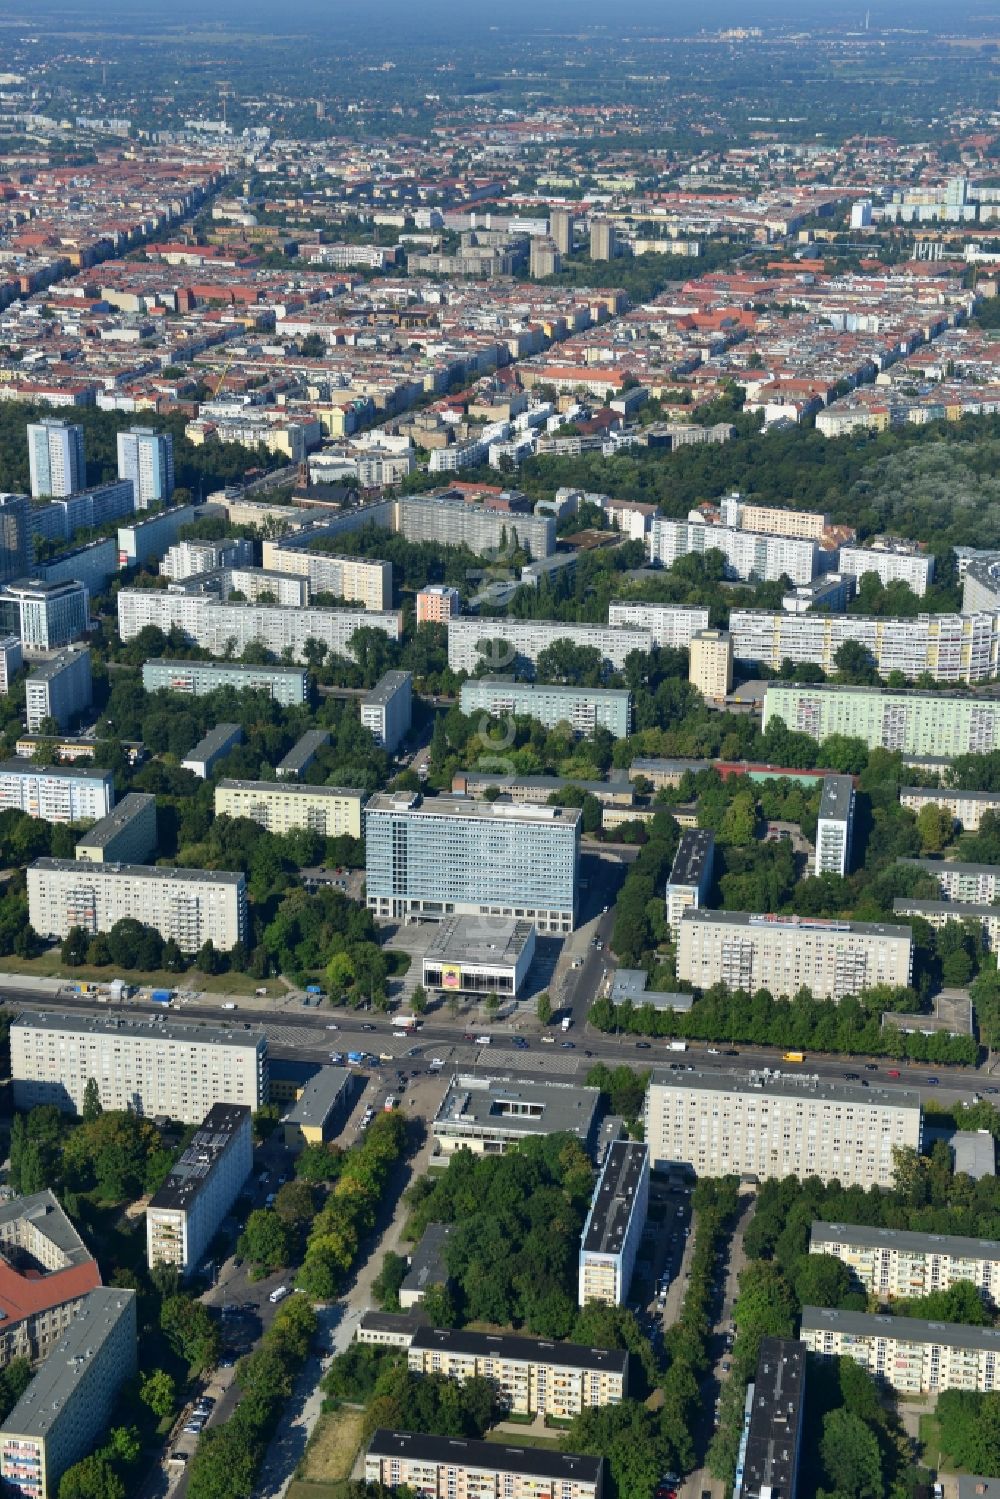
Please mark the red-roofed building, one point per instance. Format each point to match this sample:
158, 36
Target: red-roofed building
45, 1272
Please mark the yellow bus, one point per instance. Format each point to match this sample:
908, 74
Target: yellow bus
793, 1056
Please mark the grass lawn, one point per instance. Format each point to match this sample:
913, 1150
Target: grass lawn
523, 1439
300, 1489
48, 966
332, 1449
930, 1443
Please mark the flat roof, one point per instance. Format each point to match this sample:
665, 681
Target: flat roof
952, 866
219, 738
479, 939
909, 905
950, 792
532, 1462
905, 1329
147, 1027
227, 668
321, 1095
973, 1486
88, 871
411, 804
546, 689
788, 1085
21, 767
399, 1323
836, 689
869, 1237
386, 688
45, 671
694, 857
837, 798
516, 1107
42, 1403
304, 749
291, 788
428, 1266
547, 784
975, 1153
615, 1197
522, 1349
630, 983
793, 923
771, 1456
205, 1150
128, 809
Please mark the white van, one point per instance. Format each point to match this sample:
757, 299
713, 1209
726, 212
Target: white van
279, 1294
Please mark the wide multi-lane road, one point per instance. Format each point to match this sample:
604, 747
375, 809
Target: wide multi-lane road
295, 1032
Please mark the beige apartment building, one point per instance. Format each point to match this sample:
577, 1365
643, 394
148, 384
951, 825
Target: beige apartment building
363, 581
454, 1468
711, 663
907, 1354
891, 1262
762, 1125
770, 520
280, 806
145, 1063
532, 1375
193, 906
966, 807
784, 953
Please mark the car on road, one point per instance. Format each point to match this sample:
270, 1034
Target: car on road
437, 1063
713, 1051
367, 1026
400, 1035
852, 1077
519, 1043
642, 1046
569, 1046
932, 1080
871, 1066
991, 1090
333, 1026
892, 1072
549, 1040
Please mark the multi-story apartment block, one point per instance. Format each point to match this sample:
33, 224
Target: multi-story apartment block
45, 1273
243, 585
302, 754
188, 559
60, 519
835, 827
583, 708
950, 647
147, 458
531, 1375
615, 1224
359, 579
445, 856
976, 884
768, 1460
55, 458
967, 807
669, 624
72, 1399
938, 913
192, 906
56, 793
747, 554
892, 561
893, 1262
126, 836
765, 1125
221, 627
486, 1115
690, 876
285, 684
456, 522
437, 603
146, 1063
11, 661
710, 669
59, 686
771, 520
15, 537
387, 711
147, 540
46, 616
907, 1354
184, 1215
215, 746
920, 724
448, 1468
93, 563
280, 806
516, 644
786, 953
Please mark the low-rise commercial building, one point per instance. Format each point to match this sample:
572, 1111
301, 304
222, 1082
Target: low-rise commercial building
615, 1224
185, 1214
321, 1108
835, 827
583, 708
486, 1114
280, 806
428, 1265
479, 955
765, 1125
786, 953
690, 877
285, 684
56, 793
768, 1462
73, 1397
46, 1271
453, 1468
59, 686
126, 836
506, 644
192, 906
207, 753
387, 711
147, 1063
893, 1262
967, 807
389, 1329
670, 625
907, 1354
531, 1375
